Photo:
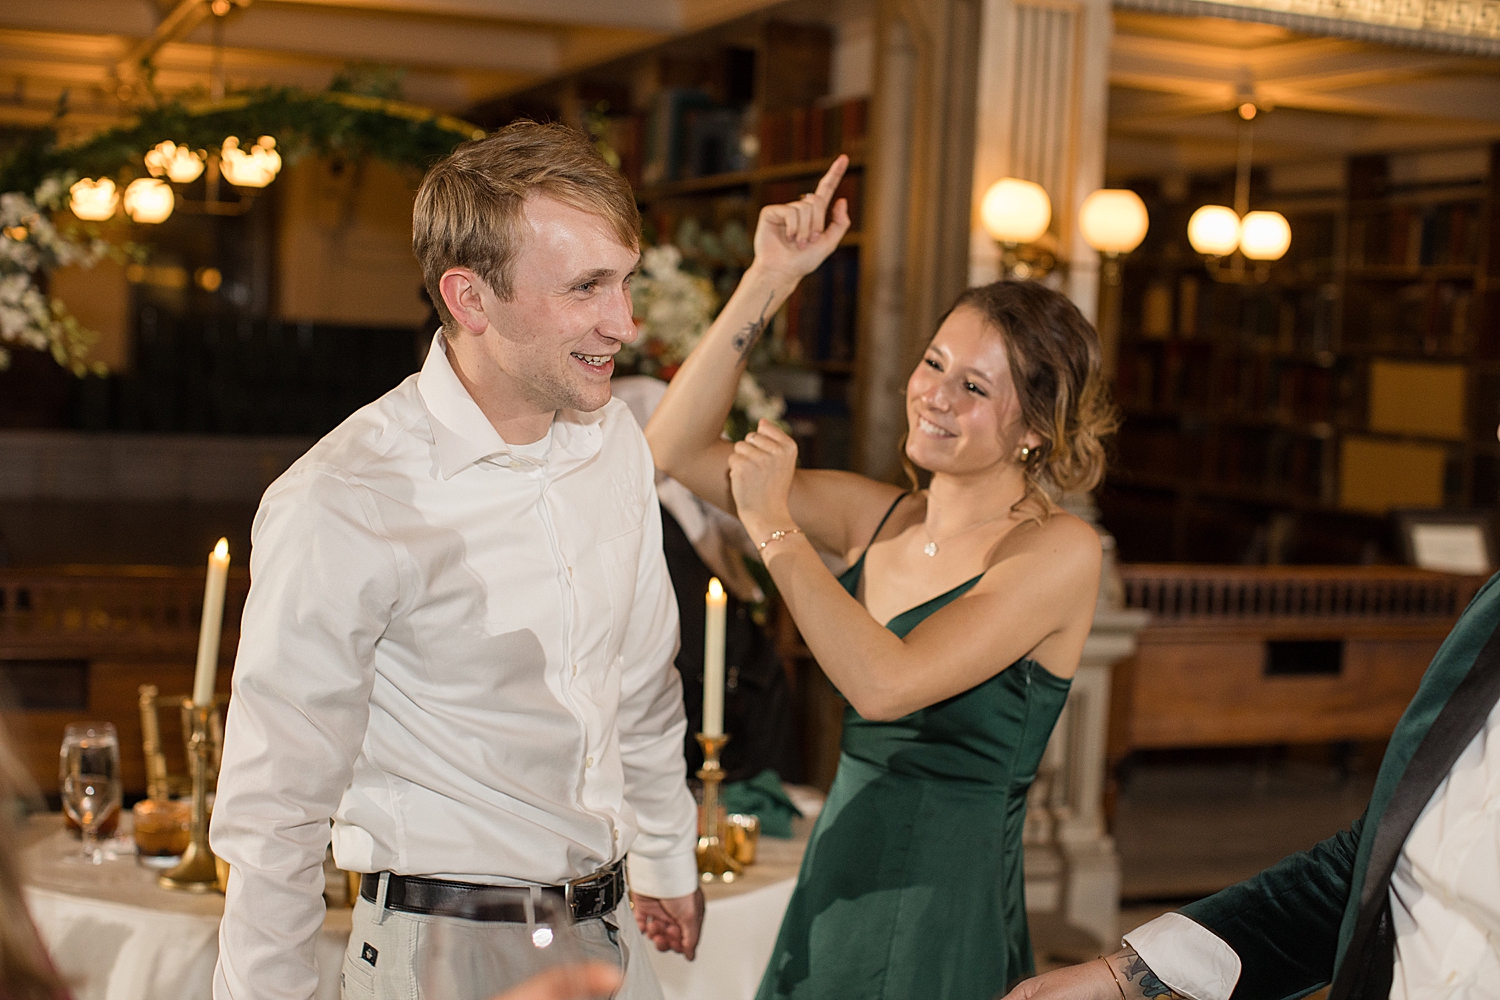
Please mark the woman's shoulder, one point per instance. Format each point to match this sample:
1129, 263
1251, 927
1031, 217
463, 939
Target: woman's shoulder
1066, 542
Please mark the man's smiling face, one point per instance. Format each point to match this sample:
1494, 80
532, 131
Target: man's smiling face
570, 312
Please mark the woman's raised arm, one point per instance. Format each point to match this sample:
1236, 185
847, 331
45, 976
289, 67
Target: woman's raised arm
790, 242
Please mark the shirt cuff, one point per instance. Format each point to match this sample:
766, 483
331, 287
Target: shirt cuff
664, 878
1187, 956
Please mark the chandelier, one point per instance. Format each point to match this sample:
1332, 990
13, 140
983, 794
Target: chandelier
1217, 231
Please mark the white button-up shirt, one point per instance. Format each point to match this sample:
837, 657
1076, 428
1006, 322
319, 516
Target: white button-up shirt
460, 654
1445, 899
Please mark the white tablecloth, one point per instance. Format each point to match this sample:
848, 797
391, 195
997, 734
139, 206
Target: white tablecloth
119, 936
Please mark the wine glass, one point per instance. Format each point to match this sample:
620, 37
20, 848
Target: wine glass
461, 955
90, 772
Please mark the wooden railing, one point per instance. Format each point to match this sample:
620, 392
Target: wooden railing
1178, 593
1244, 655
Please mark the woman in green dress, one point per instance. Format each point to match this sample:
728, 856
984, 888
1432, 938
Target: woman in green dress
953, 635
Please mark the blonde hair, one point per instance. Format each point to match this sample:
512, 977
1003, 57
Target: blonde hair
468, 209
1056, 367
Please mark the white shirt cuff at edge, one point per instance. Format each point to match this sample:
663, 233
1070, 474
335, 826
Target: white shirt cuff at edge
1187, 956
664, 878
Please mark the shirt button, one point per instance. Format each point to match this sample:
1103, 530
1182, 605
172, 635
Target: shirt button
617, 834
575, 670
588, 762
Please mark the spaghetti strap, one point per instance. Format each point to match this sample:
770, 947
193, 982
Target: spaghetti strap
881, 525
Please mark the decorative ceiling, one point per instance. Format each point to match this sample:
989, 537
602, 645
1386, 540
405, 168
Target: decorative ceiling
1175, 82
452, 54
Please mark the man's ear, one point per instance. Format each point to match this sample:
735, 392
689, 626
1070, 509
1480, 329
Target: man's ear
461, 289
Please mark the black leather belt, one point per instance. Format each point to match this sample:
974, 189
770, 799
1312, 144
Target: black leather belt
595, 895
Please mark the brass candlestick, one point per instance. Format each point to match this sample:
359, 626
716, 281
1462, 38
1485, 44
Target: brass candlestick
197, 871
715, 863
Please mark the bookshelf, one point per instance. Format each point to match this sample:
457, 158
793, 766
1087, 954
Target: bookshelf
708, 130
1281, 421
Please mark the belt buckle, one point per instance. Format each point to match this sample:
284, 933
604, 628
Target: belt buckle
599, 882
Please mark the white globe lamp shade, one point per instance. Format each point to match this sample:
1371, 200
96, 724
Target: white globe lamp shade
1113, 220
149, 200
1015, 211
1214, 230
93, 201
1265, 235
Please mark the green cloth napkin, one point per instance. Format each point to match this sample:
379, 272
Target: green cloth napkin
762, 796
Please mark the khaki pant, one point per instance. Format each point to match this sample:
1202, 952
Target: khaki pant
386, 960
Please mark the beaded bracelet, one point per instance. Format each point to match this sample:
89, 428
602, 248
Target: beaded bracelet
778, 535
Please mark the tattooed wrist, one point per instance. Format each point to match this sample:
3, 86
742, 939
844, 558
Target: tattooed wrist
749, 335
1136, 979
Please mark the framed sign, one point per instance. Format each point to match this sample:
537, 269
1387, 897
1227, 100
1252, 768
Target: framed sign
1450, 541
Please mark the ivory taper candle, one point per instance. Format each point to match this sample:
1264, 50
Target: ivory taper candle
213, 620
713, 660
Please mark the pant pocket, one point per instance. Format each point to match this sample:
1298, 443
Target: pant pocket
356, 978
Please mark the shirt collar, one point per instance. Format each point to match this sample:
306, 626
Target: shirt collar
462, 433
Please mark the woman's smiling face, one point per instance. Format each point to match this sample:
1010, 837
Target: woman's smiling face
963, 415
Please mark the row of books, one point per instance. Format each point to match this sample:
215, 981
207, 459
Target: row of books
820, 313
686, 135
1251, 388
812, 133
1296, 319
1416, 236
1247, 459
1429, 318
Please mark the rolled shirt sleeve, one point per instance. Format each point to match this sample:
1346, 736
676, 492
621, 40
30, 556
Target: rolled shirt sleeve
1187, 956
323, 587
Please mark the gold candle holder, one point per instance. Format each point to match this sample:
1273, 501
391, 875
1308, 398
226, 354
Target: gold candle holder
715, 862
197, 872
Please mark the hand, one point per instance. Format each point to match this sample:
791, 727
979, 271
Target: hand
571, 982
671, 924
761, 468
791, 240
1089, 981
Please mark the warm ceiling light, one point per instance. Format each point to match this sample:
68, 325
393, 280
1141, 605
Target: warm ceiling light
1265, 235
148, 200
180, 164
1214, 230
93, 200
1015, 211
1113, 220
1248, 110
255, 167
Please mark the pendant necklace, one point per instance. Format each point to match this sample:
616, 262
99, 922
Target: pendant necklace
931, 548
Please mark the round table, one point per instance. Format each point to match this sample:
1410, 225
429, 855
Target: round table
115, 933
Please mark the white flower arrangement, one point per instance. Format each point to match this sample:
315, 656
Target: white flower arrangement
673, 308
30, 247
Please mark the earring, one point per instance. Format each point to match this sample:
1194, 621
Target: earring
1025, 454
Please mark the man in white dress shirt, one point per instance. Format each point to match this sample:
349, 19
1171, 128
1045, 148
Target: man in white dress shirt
459, 637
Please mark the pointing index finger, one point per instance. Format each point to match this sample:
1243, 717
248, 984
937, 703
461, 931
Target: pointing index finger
830, 182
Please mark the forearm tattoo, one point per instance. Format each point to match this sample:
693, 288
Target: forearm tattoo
1133, 970
747, 338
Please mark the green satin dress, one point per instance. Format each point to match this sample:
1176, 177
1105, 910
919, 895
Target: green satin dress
912, 887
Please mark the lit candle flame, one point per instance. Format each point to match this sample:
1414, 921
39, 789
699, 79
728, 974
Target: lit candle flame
222, 549
715, 589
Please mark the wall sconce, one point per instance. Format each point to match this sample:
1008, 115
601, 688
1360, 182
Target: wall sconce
149, 200
180, 164
1016, 212
253, 168
1114, 221
93, 201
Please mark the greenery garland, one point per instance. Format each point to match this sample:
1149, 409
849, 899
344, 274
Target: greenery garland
35, 173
